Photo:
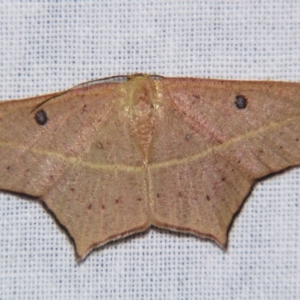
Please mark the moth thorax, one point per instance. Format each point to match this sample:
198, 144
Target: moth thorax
141, 93
142, 123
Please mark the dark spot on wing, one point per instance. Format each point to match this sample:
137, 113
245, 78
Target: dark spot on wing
41, 117
240, 101
90, 206
188, 137
207, 198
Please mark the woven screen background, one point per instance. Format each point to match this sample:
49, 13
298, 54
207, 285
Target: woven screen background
48, 46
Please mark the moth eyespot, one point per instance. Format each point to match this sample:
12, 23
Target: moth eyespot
240, 102
41, 117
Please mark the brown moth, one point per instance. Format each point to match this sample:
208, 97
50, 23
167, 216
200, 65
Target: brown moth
113, 158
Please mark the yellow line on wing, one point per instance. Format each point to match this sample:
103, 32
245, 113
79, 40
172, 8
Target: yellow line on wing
74, 160
120, 167
220, 147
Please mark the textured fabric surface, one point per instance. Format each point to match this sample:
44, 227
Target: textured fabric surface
48, 46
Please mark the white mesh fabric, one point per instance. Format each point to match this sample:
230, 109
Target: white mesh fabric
48, 46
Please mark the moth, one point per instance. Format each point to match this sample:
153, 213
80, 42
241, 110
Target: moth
114, 157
